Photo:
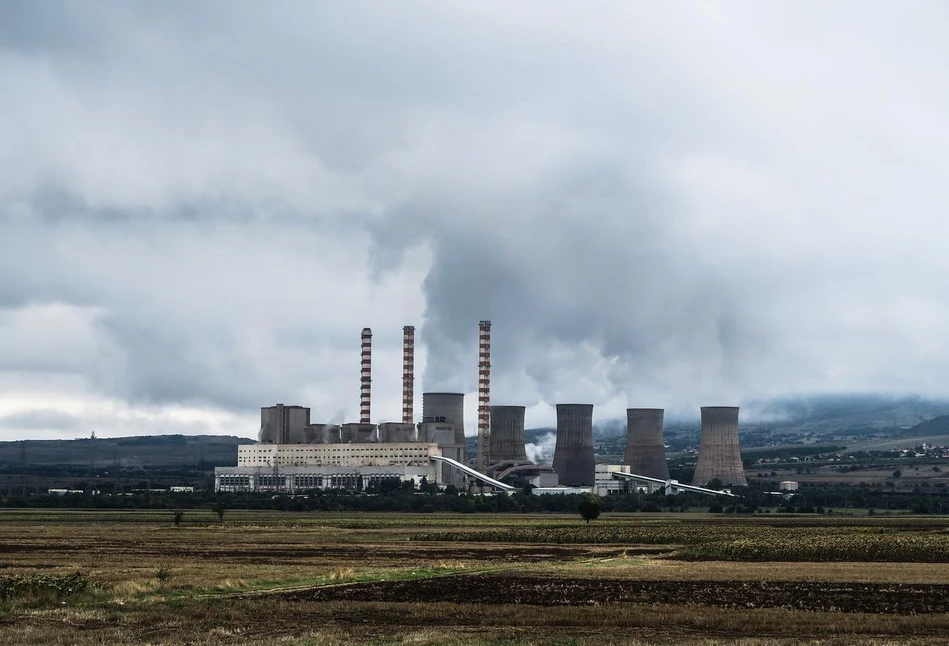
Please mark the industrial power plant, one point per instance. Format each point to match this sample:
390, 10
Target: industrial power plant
293, 454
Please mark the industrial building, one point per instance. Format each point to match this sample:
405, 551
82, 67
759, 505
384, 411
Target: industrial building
446, 409
283, 424
299, 467
294, 454
396, 432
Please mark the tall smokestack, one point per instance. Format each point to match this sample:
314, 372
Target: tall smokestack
507, 434
408, 374
365, 386
573, 457
645, 452
719, 456
484, 396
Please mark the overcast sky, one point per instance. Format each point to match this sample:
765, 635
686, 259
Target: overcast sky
661, 204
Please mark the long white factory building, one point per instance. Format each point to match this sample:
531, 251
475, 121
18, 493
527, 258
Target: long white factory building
293, 455
299, 467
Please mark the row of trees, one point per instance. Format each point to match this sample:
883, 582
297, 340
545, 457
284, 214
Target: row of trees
395, 496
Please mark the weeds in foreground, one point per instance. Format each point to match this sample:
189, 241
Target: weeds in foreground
164, 574
341, 573
12, 587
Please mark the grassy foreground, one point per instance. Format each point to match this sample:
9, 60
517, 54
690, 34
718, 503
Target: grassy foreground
273, 578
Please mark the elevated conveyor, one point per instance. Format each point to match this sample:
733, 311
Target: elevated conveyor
477, 475
672, 486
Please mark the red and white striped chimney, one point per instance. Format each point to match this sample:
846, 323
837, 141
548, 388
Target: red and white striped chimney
484, 395
365, 386
408, 374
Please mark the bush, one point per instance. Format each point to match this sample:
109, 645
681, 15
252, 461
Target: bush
589, 508
163, 574
219, 508
41, 585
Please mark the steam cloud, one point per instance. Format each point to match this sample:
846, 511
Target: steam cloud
203, 204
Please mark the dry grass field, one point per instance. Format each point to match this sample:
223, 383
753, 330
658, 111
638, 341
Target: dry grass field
272, 578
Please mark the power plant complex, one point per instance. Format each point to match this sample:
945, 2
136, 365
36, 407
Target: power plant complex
295, 455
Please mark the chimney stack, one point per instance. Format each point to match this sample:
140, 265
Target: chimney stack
408, 374
365, 387
484, 396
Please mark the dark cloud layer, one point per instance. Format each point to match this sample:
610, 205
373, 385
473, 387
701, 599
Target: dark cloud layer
656, 205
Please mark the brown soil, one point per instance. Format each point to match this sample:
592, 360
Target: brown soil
355, 553
545, 591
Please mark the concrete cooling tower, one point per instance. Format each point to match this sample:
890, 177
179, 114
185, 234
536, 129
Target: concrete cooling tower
719, 456
507, 434
447, 408
645, 451
573, 457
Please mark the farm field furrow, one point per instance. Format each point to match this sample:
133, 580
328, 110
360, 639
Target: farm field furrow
311, 578
900, 598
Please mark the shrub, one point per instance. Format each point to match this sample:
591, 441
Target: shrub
42, 585
163, 574
219, 509
589, 508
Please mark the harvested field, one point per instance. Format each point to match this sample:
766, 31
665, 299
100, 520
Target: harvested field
313, 578
814, 596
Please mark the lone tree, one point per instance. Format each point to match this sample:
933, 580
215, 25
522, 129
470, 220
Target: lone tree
219, 508
589, 508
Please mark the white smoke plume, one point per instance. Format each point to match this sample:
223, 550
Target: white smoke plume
543, 451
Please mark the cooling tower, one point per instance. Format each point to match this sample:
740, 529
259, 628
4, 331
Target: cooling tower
573, 457
447, 408
507, 434
645, 452
719, 456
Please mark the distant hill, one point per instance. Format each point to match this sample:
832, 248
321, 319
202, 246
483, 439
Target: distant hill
137, 451
838, 413
827, 419
935, 426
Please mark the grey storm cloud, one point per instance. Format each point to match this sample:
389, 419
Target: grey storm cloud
39, 419
662, 204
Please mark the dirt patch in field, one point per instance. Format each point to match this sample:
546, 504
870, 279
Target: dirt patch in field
502, 589
406, 554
